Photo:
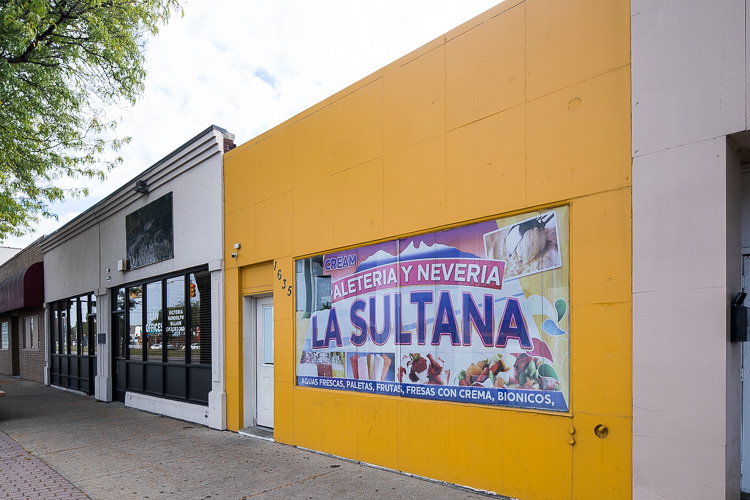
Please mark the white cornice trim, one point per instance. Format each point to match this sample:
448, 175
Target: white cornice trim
196, 151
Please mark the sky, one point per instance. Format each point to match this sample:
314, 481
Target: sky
248, 66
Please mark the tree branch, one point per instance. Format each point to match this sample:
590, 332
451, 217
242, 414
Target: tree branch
41, 37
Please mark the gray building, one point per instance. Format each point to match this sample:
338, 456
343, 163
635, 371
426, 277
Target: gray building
134, 289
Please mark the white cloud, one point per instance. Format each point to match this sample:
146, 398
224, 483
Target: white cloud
248, 66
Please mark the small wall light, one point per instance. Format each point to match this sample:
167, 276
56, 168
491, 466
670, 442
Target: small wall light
141, 186
234, 255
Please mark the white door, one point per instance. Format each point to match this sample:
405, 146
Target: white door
745, 442
264, 361
745, 464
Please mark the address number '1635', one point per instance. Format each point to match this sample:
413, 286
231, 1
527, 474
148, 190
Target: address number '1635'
280, 277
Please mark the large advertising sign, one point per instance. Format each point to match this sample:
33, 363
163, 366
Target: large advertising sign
476, 314
149, 233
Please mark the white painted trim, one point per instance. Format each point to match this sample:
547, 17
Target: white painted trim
195, 152
217, 398
197, 414
255, 436
67, 389
249, 358
248, 361
103, 380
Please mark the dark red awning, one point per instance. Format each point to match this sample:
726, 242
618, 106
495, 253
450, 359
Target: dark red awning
23, 289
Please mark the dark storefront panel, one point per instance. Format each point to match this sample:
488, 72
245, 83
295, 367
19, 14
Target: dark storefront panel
73, 346
119, 379
201, 383
176, 378
135, 376
162, 337
155, 379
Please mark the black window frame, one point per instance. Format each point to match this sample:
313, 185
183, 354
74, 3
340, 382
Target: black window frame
153, 375
69, 367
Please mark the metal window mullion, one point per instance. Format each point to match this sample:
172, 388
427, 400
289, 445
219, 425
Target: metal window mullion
60, 335
79, 332
188, 326
164, 312
188, 335
125, 334
144, 328
67, 328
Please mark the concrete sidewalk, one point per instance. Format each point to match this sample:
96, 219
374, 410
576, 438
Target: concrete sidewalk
109, 451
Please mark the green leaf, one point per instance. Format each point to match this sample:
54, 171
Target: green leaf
62, 62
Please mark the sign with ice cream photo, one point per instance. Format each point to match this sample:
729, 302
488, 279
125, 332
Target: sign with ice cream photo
475, 314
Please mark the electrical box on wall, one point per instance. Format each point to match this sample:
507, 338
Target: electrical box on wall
738, 320
122, 265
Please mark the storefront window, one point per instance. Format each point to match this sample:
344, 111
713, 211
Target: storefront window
53, 328
73, 327
121, 340
200, 318
475, 314
92, 323
31, 334
314, 287
171, 317
64, 336
154, 321
119, 332
135, 332
176, 319
72, 332
4, 335
120, 300
84, 325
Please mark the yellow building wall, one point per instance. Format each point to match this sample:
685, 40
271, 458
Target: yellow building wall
523, 107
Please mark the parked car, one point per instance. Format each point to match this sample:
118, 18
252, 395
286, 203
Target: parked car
195, 346
155, 346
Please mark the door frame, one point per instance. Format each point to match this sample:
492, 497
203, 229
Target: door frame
745, 421
745, 391
118, 359
249, 359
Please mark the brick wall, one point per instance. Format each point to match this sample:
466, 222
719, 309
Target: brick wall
23, 259
30, 362
6, 353
32, 359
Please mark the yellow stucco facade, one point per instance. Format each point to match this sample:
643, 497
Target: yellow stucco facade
524, 107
